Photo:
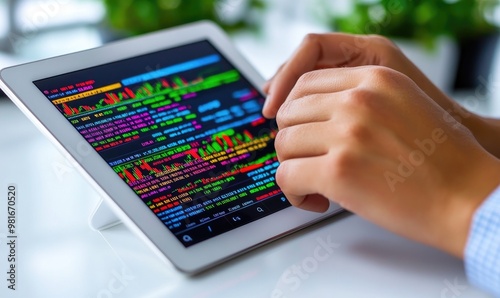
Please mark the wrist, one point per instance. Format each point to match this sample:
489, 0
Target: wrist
486, 132
481, 181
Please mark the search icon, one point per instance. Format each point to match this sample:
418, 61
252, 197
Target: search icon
259, 209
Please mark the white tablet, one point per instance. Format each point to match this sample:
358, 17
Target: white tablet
168, 128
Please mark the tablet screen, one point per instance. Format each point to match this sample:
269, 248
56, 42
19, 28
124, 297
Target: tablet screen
183, 128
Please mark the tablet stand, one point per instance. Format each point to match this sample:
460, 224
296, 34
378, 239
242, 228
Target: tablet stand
103, 217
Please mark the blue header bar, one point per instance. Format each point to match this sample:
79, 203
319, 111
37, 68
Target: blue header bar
172, 69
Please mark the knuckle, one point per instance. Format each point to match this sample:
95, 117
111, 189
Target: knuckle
379, 71
280, 141
283, 115
383, 44
303, 85
312, 38
303, 81
357, 132
380, 40
340, 163
381, 76
362, 97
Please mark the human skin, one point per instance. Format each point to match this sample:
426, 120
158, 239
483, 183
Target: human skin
350, 110
319, 51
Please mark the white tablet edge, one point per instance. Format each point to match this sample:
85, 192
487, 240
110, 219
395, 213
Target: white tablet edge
193, 259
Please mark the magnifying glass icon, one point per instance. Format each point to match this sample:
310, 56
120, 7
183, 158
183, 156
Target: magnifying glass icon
259, 209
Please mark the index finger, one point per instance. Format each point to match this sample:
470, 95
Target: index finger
317, 51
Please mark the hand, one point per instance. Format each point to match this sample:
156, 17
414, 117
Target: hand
319, 51
370, 139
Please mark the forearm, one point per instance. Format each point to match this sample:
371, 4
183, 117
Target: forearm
485, 130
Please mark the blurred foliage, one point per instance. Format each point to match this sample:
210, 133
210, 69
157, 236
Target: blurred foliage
421, 20
141, 16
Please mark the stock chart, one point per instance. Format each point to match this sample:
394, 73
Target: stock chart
183, 128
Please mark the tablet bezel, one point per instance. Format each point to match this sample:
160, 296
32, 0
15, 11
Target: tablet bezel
18, 84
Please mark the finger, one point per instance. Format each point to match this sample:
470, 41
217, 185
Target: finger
306, 109
323, 106
266, 86
320, 88
327, 50
298, 178
314, 202
318, 95
305, 140
269, 82
328, 81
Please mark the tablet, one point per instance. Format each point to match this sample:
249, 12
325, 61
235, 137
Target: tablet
168, 128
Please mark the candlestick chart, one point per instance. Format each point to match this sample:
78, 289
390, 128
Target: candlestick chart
188, 138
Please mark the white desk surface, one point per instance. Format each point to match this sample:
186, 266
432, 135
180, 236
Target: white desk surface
60, 256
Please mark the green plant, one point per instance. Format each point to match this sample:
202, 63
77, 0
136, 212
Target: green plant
421, 20
141, 16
